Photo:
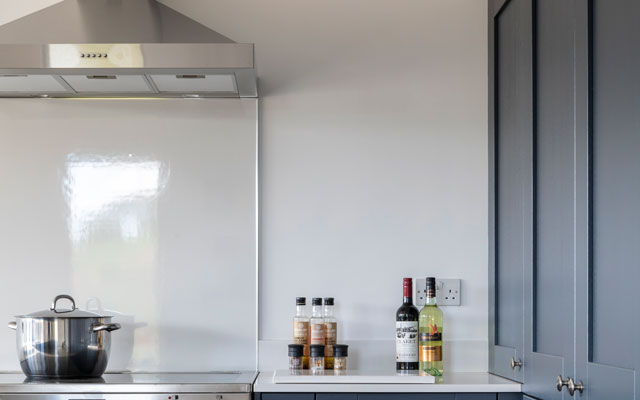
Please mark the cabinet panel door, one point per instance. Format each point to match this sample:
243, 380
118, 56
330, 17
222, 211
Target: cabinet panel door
288, 396
549, 293
510, 148
476, 396
608, 297
406, 396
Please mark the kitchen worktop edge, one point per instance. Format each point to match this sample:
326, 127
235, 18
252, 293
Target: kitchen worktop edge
454, 382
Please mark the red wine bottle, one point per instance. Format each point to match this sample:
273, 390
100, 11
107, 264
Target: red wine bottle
407, 330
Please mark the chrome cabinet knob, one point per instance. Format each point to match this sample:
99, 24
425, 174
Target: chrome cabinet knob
572, 387
515, 364
560, 383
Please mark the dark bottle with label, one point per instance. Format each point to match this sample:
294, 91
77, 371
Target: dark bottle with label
407, 330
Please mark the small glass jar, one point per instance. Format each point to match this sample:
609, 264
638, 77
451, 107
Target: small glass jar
296, 352
305, 357
340, 353
317, 358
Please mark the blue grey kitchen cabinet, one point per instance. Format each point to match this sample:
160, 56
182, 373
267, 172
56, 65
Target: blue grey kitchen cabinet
387, 396
426, 396
608, 312
571, 208
550, 276
510, 158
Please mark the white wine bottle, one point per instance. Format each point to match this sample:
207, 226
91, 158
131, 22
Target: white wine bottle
430, 326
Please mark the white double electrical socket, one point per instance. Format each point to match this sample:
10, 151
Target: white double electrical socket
448, 292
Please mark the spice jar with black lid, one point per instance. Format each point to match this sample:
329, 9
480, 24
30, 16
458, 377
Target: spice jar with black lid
317, 358
340, 353
301, 329
296, 351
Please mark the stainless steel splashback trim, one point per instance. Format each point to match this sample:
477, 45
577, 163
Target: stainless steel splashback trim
61, 391
112, 384
207, 395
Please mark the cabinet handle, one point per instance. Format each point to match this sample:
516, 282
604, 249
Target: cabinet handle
515, 364
560, 383
572, 387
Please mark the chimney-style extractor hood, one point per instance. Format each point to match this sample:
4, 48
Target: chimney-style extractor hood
120, 48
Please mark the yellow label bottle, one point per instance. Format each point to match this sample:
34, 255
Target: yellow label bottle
430, 329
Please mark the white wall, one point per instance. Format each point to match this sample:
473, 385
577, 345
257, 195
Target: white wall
373, 160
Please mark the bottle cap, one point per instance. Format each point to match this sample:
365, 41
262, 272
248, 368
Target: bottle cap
407, 287
340, 350
316, 301
431, 287
296, 350
316, 350
328, 301
301, 301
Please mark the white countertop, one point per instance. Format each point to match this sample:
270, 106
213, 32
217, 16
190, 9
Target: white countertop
452, 382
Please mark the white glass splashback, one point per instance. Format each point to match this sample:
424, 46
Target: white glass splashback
143, 209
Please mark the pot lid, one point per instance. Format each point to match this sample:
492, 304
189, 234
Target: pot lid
58, 312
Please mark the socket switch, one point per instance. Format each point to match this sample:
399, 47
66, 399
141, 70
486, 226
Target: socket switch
448, 292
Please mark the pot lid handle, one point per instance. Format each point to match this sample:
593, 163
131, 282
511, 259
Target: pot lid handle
63, 296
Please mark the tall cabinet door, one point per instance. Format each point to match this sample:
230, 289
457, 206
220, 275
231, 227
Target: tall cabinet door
510, 148
608, 298
549, 283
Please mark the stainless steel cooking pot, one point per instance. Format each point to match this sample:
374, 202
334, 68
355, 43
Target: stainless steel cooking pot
63, 343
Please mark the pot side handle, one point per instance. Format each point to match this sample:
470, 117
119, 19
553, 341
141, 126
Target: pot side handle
105, 327
13, 325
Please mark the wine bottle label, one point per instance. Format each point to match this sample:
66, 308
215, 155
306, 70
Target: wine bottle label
331, 332
430, 353
406, 341
432, 336
431, 345
301, 332
317, 333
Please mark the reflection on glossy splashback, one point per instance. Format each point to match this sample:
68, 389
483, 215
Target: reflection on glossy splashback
112, 202
148, 216
98, 187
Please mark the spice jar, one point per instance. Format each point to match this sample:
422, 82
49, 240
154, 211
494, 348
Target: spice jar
340, 353
317, 358
296, 351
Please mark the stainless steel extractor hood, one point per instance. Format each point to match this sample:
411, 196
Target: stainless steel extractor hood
120, 48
